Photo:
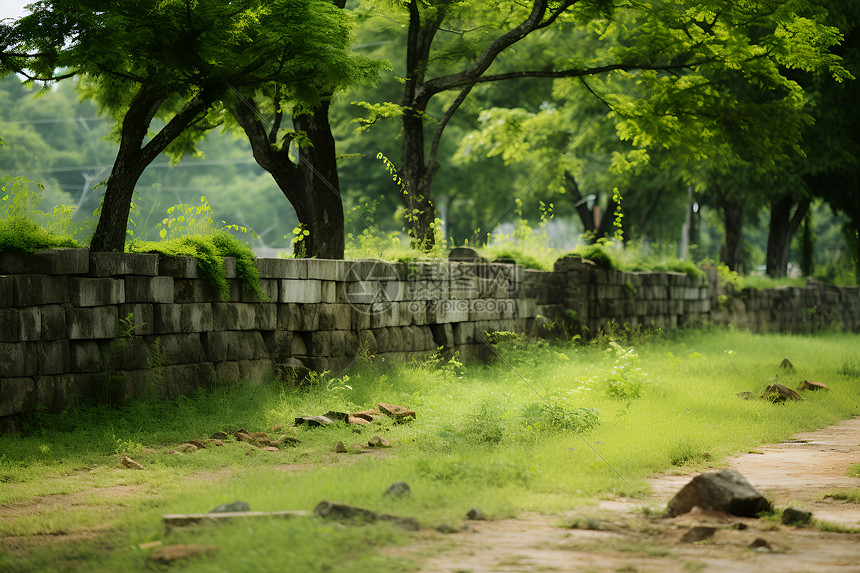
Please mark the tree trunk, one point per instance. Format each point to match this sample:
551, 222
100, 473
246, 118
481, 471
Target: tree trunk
733, 217
311, 186
783, 225
319, 206
133, 157
417, 180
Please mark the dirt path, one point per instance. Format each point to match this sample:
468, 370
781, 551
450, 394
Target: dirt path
797, 472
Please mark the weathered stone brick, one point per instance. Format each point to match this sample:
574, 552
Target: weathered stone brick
141, 315
10, 325
91, 323
178, 267
227, 371
125, 353
335, 317
52, 356
7, 291
230, 267
200, 290
283, 268
33, 290
326, 269
29, 323
299, 345
442, 335
265, 316
85, 292
148, 289
17, 395
45, 262
181, 318
234, 345
300, 291
298, 317
269, 288
85, 356
16, 360
343, 343
256, 370
179, 348
279, 344
116, 264
233, 316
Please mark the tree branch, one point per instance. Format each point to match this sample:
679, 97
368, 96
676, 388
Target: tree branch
437, 137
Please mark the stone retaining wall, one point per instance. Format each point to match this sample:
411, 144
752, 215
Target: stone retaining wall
117, 325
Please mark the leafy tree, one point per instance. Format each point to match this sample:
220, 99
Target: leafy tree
173, 59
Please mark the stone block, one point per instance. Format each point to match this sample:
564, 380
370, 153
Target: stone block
141, 317
149, 289
10, 325
366, 342
52, 356
178, 267
484, 309
84, 292
448, 311
29, 321
227, 371
326, 269
45, 262
179, 348
17, 360
233, 316
360, 316
91, 323
321, 344
298, 317
53, 322
526, 308
372, 270
416, 311
299, 346
126, 353
234, 346
335, 317
380, 336
7, 291
464, 333
282, 268
17, 396
182, 318
301, 291
117, 264
384, 314
269, 288
344, 343
256, 370
34, 290
279, 344
265, 316
85, 356
182, 378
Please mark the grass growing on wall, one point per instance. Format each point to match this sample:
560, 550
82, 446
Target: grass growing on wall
545, 428
23, 235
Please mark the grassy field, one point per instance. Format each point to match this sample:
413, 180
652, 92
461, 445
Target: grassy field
545, 428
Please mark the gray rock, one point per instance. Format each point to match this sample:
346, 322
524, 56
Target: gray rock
337, 416
476, 514
698, 533
445, 528
344, 512
313, 421
724, 490
787, 365
794, 516
398, 489
237, 505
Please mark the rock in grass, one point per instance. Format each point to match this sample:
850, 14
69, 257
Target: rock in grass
794, 516
810, 385
170, 553
760, 545
398, 489
201, 445
131, 464
313, 421
476, 514
787, 365
777, 393
237, 505
186, 448
445, 528
337, 416
698, 533
339, 448
396, 412
746, 395
219, 436
378, 442
724, 490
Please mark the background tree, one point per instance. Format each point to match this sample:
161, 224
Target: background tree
173, 60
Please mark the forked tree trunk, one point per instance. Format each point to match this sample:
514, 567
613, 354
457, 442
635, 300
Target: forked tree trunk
311, 185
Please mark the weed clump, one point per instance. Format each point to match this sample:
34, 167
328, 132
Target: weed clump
23, 235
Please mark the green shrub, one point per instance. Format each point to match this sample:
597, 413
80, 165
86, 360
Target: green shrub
598, 255
210, 250
24, 235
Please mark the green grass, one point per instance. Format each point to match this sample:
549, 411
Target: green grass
23, 235
853, 471
502, 437
851, 495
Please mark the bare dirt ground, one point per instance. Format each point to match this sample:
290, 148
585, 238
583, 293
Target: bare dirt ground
619, 536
